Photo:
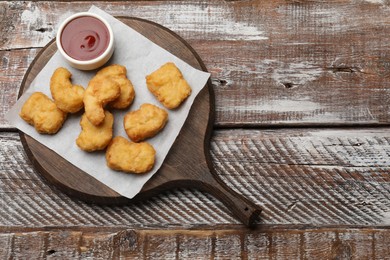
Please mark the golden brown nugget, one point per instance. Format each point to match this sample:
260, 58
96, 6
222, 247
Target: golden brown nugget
94, 138
145, 122
68, 97
126, 156
100, 91
41, 112
118, 73
168, 85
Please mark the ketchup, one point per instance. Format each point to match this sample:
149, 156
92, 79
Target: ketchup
85, 38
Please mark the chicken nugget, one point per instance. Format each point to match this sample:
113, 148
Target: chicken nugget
168, 85
68, 97
145, 122
41, 112
118, 73
99, 92
126, 156
93, 138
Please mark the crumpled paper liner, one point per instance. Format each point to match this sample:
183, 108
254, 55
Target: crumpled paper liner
141, 57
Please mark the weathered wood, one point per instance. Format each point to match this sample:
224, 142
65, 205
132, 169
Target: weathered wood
272, 62
267, 243
302, 174
325, 192
298, 176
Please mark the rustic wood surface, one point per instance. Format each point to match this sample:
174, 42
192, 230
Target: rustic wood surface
301, 129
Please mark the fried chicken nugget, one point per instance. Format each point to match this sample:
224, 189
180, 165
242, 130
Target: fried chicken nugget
68, 97
126, 156
168, 85
41, 112
94, 138
145, 122
118, 73
100, 91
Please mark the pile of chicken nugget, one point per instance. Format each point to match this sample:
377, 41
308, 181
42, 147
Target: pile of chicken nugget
108, 90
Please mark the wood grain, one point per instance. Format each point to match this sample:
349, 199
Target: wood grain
267, 243
310, 177
288, 63
325, 191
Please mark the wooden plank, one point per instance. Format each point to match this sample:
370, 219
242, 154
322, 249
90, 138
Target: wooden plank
267, 243
272, 62
298, 176
302, 174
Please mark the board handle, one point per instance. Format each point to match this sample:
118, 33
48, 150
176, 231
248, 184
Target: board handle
245, 210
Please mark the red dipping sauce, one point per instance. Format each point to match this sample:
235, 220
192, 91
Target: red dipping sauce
85, 38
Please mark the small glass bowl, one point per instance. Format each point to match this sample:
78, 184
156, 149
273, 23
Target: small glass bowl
86, 64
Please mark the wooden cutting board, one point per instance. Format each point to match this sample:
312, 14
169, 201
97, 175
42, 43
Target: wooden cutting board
187, 164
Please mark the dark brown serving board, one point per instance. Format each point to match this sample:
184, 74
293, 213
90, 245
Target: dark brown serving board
188, 162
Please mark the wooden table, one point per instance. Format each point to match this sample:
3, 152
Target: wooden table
302, 130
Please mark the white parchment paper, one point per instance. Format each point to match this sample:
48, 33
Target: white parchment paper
141, 57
